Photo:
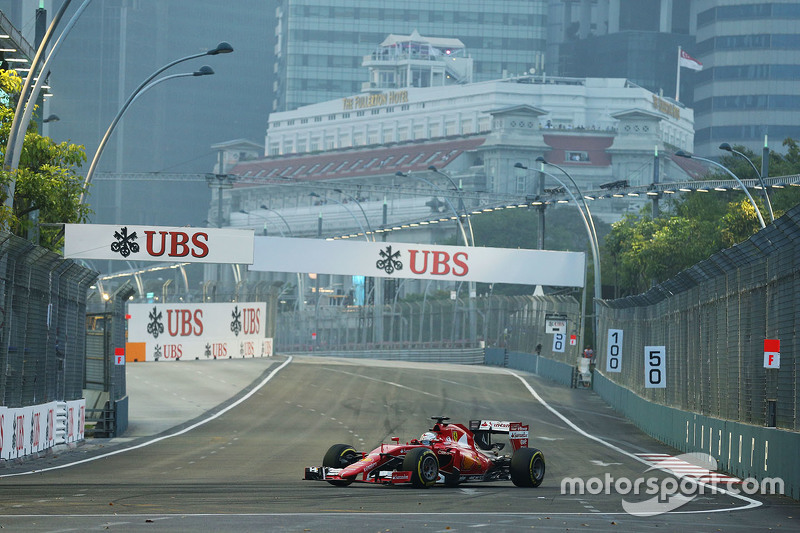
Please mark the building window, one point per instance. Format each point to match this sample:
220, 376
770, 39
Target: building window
576, 157
521, 184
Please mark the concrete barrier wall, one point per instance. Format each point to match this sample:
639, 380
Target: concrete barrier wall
547, 368
472, 356
742, 450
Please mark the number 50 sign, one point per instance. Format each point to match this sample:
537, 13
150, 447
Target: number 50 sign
655, 367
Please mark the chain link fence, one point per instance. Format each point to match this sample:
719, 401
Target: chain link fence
42, 324
513, 322
712, 320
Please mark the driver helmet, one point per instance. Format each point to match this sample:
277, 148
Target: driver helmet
428, 437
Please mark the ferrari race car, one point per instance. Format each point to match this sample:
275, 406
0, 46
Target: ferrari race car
447, 454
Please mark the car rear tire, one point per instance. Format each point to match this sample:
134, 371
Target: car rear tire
340, 456
423, 465
527, 467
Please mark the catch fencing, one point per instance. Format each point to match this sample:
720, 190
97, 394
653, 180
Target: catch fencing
513, 322
42, 324
712, 320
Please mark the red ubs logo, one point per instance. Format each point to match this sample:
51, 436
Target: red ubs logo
177, 243
183, 323
440, 264
251, 320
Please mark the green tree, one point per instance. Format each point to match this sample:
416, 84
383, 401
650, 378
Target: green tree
46, 180
641, 251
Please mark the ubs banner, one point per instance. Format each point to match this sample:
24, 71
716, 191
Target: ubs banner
421, 261
168, 332
158, 243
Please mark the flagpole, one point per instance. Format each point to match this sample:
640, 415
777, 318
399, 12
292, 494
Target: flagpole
678, 78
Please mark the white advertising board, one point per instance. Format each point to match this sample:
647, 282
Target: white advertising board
27, 430
158, 243
555, 324
420, 261
199, 331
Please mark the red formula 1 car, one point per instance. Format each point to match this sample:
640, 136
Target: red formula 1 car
448, 454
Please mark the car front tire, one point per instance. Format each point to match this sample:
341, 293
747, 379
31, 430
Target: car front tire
423, 465
340, 456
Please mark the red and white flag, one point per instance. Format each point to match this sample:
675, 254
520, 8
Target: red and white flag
685, 60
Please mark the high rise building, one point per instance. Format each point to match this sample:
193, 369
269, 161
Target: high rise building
748, 87
633, 39
320, 44
749, 49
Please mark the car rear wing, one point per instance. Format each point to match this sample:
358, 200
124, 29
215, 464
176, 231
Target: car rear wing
483, 429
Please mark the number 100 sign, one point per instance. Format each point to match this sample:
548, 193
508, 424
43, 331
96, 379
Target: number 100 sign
614, 354
655, 367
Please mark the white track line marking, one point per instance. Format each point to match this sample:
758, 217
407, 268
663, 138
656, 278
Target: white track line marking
751, 503
163, 437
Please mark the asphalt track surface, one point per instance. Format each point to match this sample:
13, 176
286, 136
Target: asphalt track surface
242, 469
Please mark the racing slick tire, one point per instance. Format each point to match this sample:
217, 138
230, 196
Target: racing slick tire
423, 465
340, 456
527, 467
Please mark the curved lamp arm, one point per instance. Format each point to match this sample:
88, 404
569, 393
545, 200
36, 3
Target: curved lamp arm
681, 153
447, 200
203, 71
727, 147
460, 193
593, 244
360, 225
541, 159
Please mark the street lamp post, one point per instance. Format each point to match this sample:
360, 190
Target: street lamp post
202, 71
360, 225
541, 159
681, 153
728, 148
364, 213
461, 206
377, 283
285, 223
457, 216
24, 109
593, 244
248, 213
